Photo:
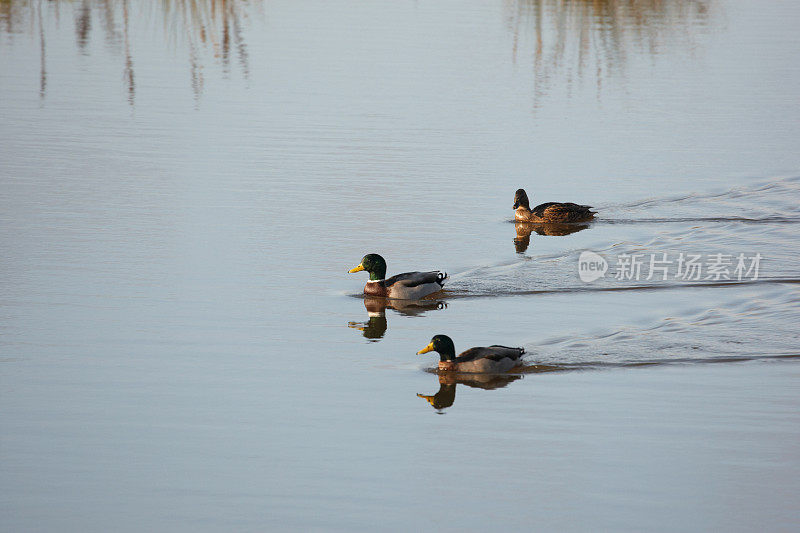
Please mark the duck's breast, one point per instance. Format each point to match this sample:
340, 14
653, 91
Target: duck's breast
375, 288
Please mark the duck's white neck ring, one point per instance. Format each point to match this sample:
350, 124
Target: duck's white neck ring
375, 280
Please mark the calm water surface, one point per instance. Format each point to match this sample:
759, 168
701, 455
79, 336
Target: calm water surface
184, 185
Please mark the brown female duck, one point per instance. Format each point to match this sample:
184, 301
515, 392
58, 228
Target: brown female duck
550, 211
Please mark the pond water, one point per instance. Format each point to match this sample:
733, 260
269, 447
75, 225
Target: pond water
184, 185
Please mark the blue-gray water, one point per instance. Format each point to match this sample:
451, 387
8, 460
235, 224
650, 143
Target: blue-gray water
184, 185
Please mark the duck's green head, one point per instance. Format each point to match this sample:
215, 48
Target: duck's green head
374, 264
443, 345
521, 199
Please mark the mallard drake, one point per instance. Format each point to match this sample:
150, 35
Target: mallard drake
550, 211
406, 286
491, 359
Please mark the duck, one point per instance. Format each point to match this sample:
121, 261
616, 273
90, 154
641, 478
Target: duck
549, 211
405, 286
481, 360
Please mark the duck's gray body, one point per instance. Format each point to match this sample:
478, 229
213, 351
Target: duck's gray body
488, 359
408, 285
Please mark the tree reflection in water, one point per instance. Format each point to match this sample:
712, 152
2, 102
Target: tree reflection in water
207, 28
593, 39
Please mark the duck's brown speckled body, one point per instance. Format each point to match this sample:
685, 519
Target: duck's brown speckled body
560, 212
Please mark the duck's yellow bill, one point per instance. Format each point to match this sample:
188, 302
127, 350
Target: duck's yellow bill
428, 348
359, 268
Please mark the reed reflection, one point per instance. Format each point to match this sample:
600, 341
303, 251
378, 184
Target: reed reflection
594, 39
206, 29
375, 326
524, 230
446, 395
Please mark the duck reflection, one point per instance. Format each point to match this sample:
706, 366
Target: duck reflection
448, 381
375, 326
524, 230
